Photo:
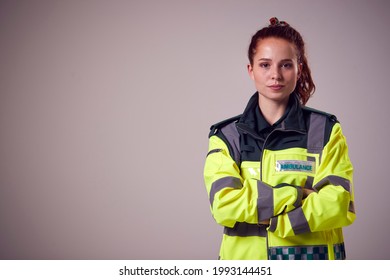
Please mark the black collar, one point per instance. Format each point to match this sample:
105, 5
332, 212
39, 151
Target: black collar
292, 119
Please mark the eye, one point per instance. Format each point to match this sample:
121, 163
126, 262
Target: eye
287, 65
264, 65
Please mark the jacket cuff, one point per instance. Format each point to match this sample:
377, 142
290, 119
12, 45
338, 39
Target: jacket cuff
273, 224
273, 201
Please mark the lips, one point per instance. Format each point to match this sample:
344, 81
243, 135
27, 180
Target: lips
276, 87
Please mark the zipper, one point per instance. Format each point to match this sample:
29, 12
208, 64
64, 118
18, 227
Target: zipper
261, 163
265, 142
267, 244
258, 137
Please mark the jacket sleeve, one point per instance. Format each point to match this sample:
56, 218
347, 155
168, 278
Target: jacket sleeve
331, 206
234, 199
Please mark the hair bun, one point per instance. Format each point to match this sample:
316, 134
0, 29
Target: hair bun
275, 22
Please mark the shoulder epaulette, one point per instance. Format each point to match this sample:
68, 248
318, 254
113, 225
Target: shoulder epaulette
219, 125
330, 116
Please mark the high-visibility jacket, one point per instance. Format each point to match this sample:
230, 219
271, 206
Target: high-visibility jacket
255, 172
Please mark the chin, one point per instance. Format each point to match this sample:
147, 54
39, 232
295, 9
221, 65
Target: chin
277, 97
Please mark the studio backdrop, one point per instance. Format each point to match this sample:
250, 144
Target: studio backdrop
105, 109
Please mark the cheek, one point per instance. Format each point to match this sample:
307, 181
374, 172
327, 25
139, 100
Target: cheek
260, 77
292, 76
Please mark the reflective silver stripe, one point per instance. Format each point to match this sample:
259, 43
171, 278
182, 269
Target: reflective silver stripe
298, 202
265, 201
233, 137
316, 134
225, 182
245, 229
311, 159
333, 180
214, 151
298, 221
315, 141
309, 182
310, 179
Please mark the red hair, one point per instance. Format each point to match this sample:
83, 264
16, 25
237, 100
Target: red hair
305, 86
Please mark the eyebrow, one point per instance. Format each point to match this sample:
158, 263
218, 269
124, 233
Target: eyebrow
268, 59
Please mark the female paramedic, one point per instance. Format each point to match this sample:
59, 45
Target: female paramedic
278, 176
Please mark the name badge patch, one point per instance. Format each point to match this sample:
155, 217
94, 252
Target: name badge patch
295, 165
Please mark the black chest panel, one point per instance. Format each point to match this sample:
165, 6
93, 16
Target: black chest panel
252, 145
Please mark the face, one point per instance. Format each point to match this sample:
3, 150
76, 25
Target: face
275, 69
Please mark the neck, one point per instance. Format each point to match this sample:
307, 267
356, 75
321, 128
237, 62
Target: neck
272, 111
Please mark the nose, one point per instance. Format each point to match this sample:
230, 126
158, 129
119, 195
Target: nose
275, 75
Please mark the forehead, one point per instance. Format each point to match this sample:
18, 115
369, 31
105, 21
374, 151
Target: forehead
275, 48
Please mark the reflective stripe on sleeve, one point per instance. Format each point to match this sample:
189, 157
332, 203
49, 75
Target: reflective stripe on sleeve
299, 198
225, 182
298, 221
333, 180
309, 182
214, 151
265, 201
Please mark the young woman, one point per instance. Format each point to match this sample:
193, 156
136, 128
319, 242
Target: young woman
278, 176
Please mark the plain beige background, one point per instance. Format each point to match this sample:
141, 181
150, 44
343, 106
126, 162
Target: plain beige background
105, 108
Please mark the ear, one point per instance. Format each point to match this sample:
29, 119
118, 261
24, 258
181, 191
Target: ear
250, 71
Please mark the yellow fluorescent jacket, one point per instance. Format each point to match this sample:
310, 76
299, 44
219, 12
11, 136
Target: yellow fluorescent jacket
255, 172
